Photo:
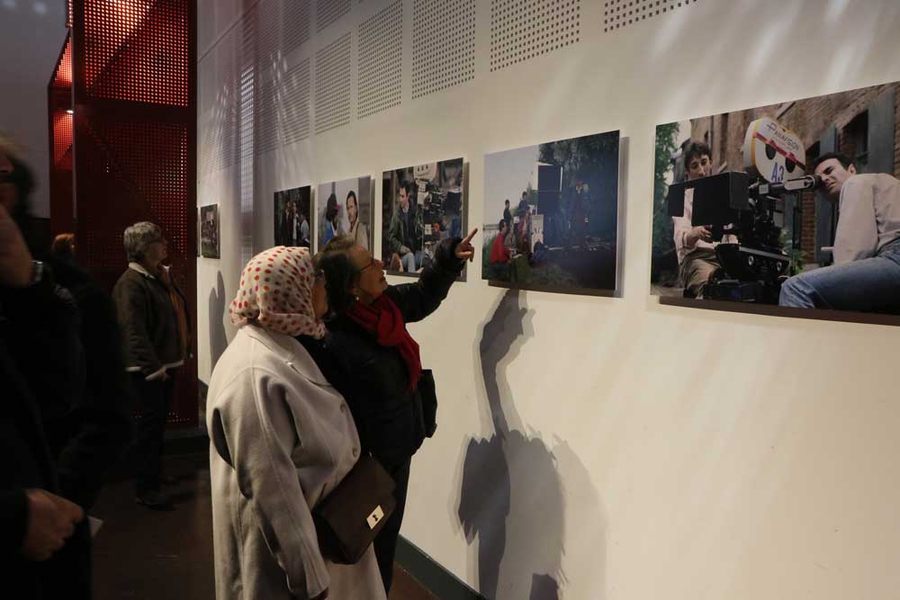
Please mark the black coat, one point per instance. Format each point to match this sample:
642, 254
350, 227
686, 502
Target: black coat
374, 379
25, 458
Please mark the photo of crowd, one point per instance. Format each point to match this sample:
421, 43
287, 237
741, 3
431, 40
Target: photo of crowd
345, 207
421, 206
794, 205
551, 215
292, 211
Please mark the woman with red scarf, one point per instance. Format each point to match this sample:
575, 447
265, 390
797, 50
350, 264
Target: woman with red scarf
391, 399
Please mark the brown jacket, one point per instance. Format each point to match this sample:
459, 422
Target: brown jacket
149, 322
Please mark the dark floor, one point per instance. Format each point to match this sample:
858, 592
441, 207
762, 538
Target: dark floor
142, 554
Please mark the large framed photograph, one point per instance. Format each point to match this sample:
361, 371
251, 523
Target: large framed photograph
782, 207
345, 207
421, 206
209, 231
551, 215
292, 217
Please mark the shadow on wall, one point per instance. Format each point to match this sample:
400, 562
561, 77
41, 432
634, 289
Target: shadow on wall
513, 496
217, 338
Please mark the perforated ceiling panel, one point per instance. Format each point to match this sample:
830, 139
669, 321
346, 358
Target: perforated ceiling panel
333, 85
133, 45
329, 11
381, 60
443, 44
622, 13
267, 112
296, 103
524, 29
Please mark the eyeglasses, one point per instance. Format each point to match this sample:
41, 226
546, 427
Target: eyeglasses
371, 262
319, 275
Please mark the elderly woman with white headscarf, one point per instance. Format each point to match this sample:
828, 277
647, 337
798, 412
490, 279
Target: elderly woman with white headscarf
281, 439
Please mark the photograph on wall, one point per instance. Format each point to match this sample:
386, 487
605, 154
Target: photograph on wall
792, 205
198, 239
209, 231
421, 206
551, 215
345, 207
292, 217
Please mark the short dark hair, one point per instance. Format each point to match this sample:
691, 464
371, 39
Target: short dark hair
841, 158
352, 194
695, 150
501, 224
331, 208
507, 202
340, 274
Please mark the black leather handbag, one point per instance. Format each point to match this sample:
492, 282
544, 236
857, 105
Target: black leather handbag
350, 517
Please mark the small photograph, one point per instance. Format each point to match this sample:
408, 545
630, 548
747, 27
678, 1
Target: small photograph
198, 238
292, 211
421, 206
345, 207
209, 231
551, 215
793, 205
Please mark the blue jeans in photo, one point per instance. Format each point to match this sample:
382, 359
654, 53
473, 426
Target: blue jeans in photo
867, 285
411, 261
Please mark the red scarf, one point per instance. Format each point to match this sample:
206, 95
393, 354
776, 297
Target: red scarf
384, 319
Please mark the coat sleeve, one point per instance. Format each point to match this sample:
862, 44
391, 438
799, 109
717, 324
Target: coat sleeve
418, 300
253, 430
132, 307
395, 234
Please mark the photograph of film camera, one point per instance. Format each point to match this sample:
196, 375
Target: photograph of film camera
745, 212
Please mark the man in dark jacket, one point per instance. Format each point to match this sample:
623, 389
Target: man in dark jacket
155, 347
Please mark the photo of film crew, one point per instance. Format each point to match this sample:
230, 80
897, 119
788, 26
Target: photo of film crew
551, 215
345, 208
795, 205
421, 206
292, 211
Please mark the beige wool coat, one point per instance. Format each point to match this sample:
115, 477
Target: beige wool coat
281, 438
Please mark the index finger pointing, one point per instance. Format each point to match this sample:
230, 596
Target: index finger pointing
469, 237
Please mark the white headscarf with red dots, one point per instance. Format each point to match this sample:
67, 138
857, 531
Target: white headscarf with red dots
276, 293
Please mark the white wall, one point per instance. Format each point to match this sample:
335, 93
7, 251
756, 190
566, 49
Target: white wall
31, 38
656, 452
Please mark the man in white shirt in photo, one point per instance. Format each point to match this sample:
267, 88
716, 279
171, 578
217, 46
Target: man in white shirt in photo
865, 275
694, 244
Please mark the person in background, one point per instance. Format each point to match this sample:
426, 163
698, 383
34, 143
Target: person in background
281, 439
63, 246
156, 343
332, 222
406, 231
382, 371
865, 275
358, 231
694, 243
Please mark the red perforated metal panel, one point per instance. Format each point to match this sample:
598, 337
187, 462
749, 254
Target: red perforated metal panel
135, 142
59, 106
137, 50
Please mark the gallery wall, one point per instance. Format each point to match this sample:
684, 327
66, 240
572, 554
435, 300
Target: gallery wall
587, 447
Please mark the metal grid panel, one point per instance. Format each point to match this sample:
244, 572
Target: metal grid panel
296, 102
137, 50
62, 75
329, 11
333, 85
135, 130
524, 29
622, 13
381, 60
443, 44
